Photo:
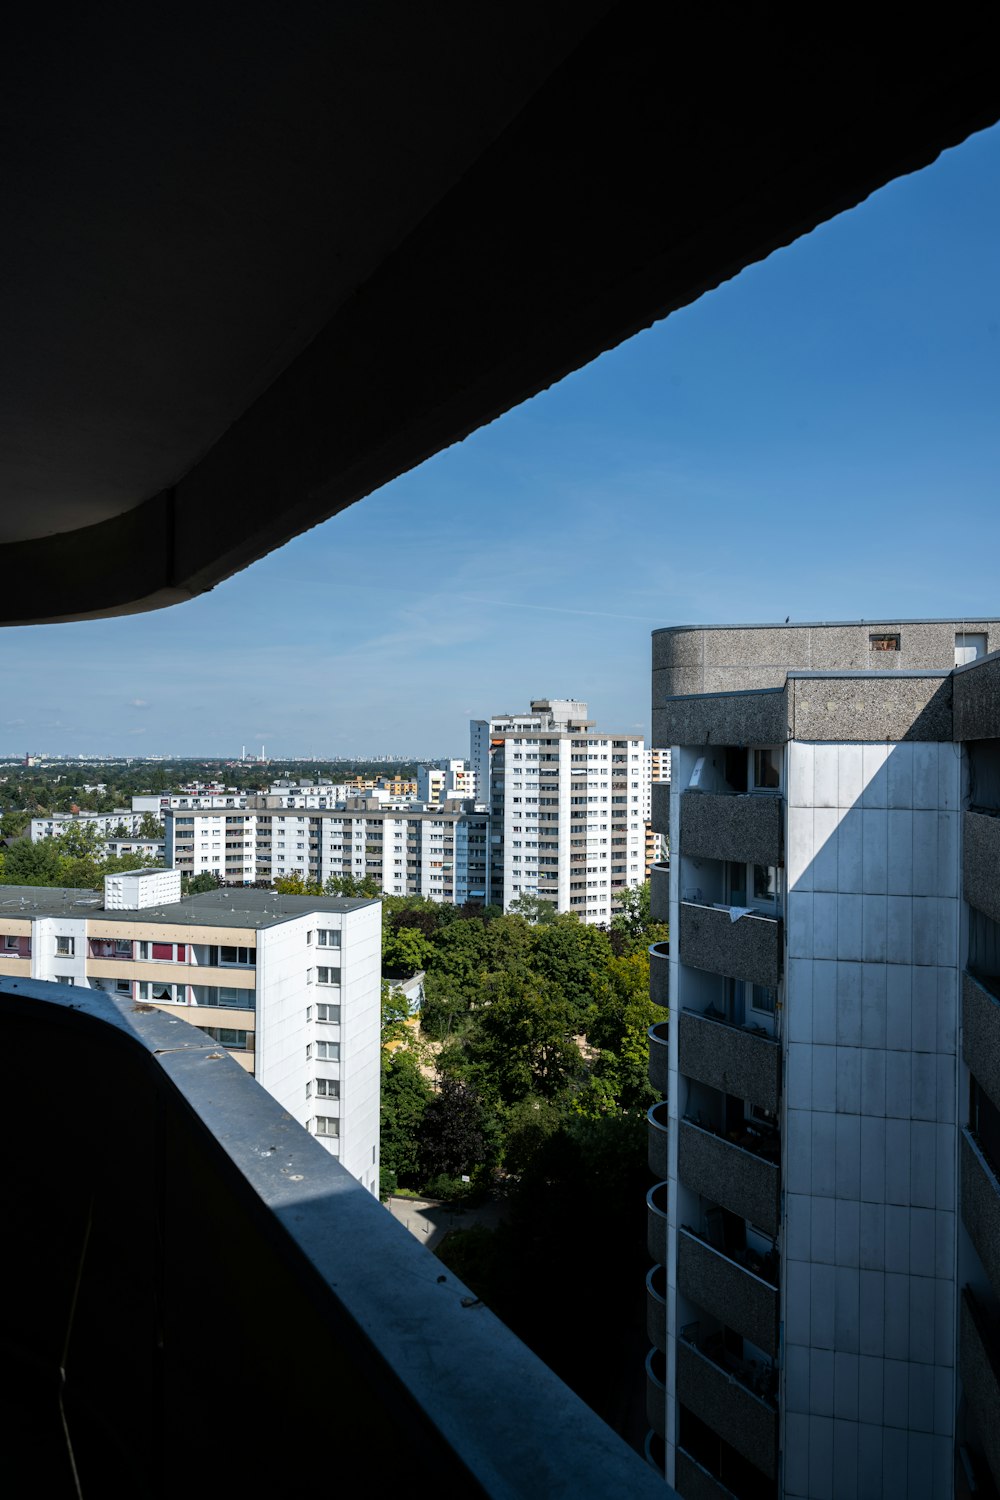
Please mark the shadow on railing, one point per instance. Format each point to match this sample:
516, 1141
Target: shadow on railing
199, 1294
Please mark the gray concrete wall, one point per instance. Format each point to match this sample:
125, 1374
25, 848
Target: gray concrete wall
658, 1140
656, 1307
727, 1058
659, 805
977, 699
981, 863
736, 1414
872, 709
659, 1057
719, 825
753, 718
981, 1035
730, 1176
732, 658
728, 1292
748, 949
981, 1206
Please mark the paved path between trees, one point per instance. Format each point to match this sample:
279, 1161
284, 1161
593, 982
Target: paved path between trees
429, 1221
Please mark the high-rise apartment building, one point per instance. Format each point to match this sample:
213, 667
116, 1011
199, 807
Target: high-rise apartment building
826, 1228
445, 780
410, 850
566, 807
290, 985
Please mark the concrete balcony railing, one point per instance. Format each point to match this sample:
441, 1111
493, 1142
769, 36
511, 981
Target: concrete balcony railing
748, 949
747, 828
981, 862
979, 1367
659, 974
659, 1056
200, 1241
718, 1391
656, 1223
980, 1199
659, 807
728, 1290
656, 1307
981, 1031
730, 1174
659, 891
656, 1392
658, 1140
696, 1482
731, 1058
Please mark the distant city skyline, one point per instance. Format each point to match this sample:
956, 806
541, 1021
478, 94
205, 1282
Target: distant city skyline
836, 402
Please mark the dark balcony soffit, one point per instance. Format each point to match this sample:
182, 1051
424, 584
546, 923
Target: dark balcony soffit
730, 1059
749, 948
726, 1290
205, 1242
716, 825
344, 238
731, 1176
981, 862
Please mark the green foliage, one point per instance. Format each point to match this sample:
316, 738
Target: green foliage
534, 909
405, 950
150, 826
197, 885
26, 863
395, 1014
405, 1098
457, 1135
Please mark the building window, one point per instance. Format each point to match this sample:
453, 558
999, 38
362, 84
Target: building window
10, 943
123, 986
762, 999
765, 769
765, 883
123, 947
64, 947
327, 1051
65, 979
330, 1014
327, 1125
328, 1088
233, 955
327, 976
884, 642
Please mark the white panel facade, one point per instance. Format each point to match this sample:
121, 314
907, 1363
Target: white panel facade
870, 1119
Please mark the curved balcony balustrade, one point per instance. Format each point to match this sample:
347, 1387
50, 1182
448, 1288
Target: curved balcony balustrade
656, 1306
659, 974
740, 1060
656, 1392
659, 891
659, 1056
734, 1397
741, 1292
656, 1223
193, 1238
742, 1176
658, 1140
655, 1451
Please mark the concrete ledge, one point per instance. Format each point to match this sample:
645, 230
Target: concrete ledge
719, 825
732, 1177
980, 1199
977, 1360
981, 862
753, 718
977, 699
980, 1034
871, 709
749, 948
730, 1059
742, 1419
727, 1290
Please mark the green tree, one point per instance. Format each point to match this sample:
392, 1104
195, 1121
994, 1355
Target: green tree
150, 826
405, 1097
455, 1136
26, 863
197, 885
404, 951
534, 909
570, 955
522, 1043
81, 841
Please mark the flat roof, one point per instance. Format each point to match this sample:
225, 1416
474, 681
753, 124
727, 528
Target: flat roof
231, 906
877, 623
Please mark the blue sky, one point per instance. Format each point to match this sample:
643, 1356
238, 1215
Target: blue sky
817, 438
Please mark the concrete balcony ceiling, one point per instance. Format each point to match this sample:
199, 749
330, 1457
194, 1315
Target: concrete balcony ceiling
258, 262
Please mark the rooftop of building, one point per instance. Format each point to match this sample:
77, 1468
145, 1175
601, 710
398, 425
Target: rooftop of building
231, 906
878, 622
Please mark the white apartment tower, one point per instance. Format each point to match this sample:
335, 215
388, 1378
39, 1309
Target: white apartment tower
566, 807
826, 1225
